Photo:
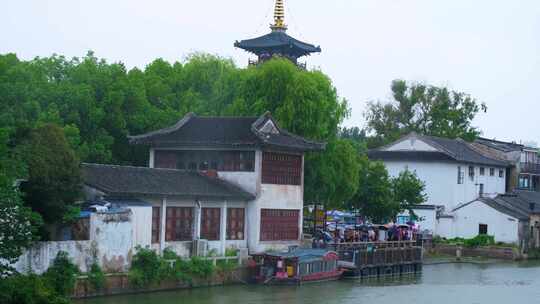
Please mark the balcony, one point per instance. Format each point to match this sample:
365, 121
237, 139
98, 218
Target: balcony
531, 168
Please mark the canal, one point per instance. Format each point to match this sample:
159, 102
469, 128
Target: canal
441, 284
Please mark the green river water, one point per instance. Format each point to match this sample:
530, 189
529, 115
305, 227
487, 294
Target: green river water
441, 284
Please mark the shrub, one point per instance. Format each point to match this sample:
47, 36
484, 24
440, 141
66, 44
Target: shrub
28, 289
96, 277
147, 268
201, 268
480, 240
62, 275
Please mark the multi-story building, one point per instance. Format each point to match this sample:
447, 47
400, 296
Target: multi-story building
234, 181
454, 172
524, 173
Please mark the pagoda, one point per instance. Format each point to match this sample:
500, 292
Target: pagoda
277, 43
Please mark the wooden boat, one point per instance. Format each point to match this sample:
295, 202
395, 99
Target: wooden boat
297, 267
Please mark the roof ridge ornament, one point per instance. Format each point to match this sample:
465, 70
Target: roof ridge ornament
279, 17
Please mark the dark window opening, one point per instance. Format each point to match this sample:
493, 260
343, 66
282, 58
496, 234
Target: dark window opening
483, 229
481, 190
156, 224
210, 223
482, 171
471, 172
491, 171
281, 169
179, 224
460, 176
501, 173
236, 161
279, 225
235, 223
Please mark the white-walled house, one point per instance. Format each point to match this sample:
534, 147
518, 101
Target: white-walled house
454, 172
509, 218
236, 182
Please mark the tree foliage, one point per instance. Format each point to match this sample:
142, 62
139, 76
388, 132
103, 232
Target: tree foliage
374, 197
408, 190
54, 178
381, 197
97, 104
335, 179
18, 224
424, 109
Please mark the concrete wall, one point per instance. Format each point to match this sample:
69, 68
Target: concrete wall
409, 144
502, 226
110, 245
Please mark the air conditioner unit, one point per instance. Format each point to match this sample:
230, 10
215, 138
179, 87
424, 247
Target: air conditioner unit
199, 248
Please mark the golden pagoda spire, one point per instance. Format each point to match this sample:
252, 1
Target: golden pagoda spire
279, 17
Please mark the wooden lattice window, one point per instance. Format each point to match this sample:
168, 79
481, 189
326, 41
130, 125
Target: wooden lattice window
156, 224
279, 225
210, 223
281, 169
235, 223
179, 224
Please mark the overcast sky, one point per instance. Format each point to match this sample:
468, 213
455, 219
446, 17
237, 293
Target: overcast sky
487, 48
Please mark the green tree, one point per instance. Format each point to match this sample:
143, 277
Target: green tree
18, 224
374, 198
335, 178
424, 109
54, 178
408, 190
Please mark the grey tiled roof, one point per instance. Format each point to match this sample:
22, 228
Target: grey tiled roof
236, 132
517, 204
499, 145
124, 181
447, 149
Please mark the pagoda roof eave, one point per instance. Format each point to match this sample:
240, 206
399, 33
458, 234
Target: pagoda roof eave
277, 41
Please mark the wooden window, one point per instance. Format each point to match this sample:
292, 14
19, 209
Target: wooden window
471, 172
210, 223
281, 169
501, 173
482, 229
235, 223
156, 224
482, 171
179, 224
279, 225
491, 171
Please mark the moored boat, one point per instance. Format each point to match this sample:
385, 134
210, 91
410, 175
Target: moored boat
297, 267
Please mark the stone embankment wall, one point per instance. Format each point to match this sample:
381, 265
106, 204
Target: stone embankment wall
117, 284
504, 253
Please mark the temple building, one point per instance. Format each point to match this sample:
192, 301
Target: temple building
277, 43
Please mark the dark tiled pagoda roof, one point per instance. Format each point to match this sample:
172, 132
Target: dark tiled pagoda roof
125, 181
519, 204
447, 149
235, 132
277, 42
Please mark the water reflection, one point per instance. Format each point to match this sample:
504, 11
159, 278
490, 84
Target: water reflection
442, 284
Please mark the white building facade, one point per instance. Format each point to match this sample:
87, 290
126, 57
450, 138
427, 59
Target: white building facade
452, 170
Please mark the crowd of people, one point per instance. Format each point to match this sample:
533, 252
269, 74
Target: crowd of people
365, 233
